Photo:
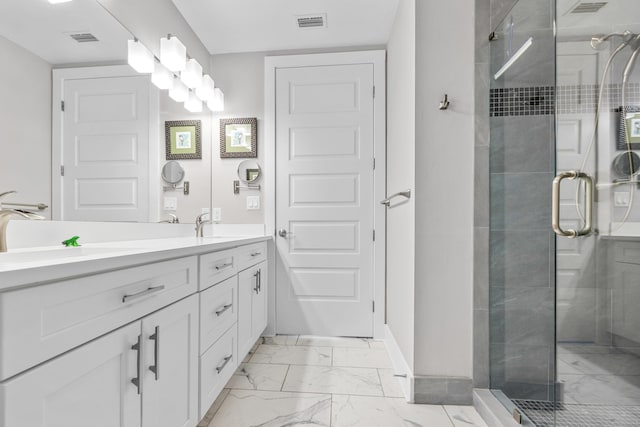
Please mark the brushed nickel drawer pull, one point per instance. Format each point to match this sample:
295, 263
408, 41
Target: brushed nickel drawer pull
223, 266
136, 347
256, 253
223, 309
143, 293
226, 360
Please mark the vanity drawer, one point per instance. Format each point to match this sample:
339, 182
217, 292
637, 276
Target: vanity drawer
251, 255
39, 323
218, 311
217, 366
216, 267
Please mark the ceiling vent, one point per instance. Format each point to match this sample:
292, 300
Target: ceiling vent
312, 21
83, 37
588, 7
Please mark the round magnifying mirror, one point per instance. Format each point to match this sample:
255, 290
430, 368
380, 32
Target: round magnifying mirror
172, 172
249, 171
622, 161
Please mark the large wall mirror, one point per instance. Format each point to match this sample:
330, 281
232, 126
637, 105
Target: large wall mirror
39, 43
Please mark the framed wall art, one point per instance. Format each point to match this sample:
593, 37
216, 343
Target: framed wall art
183, 139
628, 128
238, 138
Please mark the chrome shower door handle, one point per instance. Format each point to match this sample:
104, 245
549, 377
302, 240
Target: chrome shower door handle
555, 205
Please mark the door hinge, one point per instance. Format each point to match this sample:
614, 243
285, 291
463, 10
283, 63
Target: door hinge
62, 170
374, 91
373, 306
62, 105
374, 163
374, 235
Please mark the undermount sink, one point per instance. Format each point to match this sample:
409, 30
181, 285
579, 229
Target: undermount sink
62, 253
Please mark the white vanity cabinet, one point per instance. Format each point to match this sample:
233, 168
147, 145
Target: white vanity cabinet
109, 382
148, 343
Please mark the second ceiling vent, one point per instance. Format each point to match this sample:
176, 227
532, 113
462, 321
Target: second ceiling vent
312, 21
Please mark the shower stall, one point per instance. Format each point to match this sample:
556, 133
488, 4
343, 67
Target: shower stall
564, 232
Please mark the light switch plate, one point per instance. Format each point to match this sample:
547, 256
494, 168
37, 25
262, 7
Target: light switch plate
253, 203
621, 199
170, 203
216, 214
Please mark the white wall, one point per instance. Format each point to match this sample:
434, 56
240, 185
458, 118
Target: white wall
444, 188
25, 118
197, 171
241, 78
401, 138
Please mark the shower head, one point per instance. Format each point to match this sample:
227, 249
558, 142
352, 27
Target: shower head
597, 41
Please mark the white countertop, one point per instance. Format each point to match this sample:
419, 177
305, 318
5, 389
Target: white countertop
34, 266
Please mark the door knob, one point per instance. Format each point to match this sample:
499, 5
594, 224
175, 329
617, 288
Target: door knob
284, 233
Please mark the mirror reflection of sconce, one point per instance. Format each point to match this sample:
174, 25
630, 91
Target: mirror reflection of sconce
249, 173
173, 174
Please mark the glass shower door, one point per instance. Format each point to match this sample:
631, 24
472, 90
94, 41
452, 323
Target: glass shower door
522, 244
597, 271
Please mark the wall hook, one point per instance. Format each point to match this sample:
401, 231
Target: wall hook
444, 104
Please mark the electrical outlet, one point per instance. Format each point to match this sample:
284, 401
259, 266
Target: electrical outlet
170, 203
621, 199
216, 215
253, 203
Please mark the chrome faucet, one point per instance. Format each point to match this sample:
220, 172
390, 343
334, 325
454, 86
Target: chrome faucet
174, 219
200, 224
5, 216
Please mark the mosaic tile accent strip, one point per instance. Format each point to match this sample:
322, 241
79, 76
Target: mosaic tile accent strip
522, 101
541, 413
569, 99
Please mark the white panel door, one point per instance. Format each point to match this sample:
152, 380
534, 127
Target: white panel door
105, 146
324, 200
170, 368
88, 386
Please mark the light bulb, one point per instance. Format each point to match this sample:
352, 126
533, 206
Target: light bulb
139, 57
180, 92
193, 104
217, 102
192, 74
161, 77
206, 90
173, 54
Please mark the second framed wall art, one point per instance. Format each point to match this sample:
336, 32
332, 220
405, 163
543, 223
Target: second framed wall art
239, 138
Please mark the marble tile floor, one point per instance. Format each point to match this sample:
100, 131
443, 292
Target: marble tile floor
324, 381
598, 375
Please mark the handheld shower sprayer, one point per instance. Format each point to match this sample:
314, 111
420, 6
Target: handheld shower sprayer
597, 41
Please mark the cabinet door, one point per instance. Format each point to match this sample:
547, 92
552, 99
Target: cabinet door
88, 386
259, 302
170, 368
252, 301
247, 283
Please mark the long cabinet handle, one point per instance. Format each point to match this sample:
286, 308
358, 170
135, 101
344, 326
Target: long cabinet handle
223, 266
224, 363
155, 368
555, 205
223, 309
257, 277
144, 293
136, 347
259, 280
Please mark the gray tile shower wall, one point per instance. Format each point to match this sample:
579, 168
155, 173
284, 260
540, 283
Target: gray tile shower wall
521, 151
481, 198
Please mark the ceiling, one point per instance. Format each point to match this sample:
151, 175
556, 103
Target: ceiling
226, 26
45, 29
615, 16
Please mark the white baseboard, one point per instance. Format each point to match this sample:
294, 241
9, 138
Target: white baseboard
400, 365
